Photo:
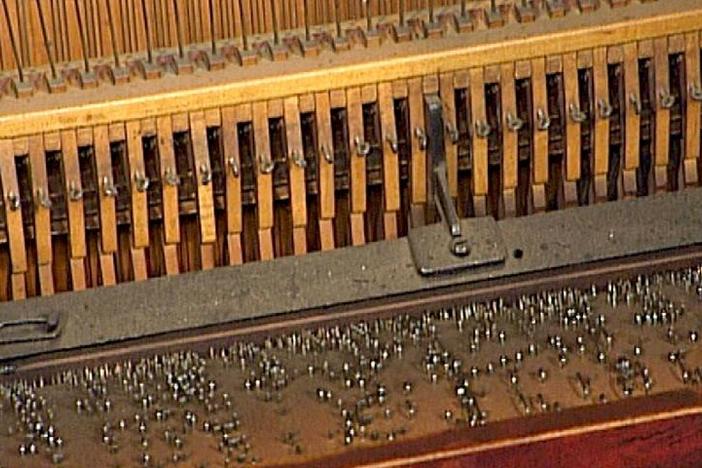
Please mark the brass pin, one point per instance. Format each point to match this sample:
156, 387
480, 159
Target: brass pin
13, 42
337, 18
179, 29
401, 12
45, 37
369, 20
305, 5
147, 32
212, 29
113, 36
431, 11
83, 40
274, 14
244, 40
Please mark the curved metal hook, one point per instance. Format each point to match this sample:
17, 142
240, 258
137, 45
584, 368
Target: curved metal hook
142, 182
14, 201
635, 103
576, 114
234, 167
605, 109
206, 173
74, 193
543, 121
171, 177
362, 147
42, 199
265, 165
482, 129
666, 99
394, 146
696, 91
298, 159
108, 188
514, 123
421, 137
327, 154
452, 132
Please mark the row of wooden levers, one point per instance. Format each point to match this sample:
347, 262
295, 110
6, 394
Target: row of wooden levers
91, 41
128, 201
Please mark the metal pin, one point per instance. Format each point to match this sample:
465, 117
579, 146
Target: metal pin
179, 29
274, 14
83, 40
305, 5
13, 42
212, 29
369, 20
337, 18
113, 36
431, 11
244, 39
401, 12
147, 32
464, 9
45, 37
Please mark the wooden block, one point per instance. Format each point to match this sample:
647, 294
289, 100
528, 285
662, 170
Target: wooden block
510, 141
448, 101
103, 165
480, 145
293, 133
234, 248
325, 169
78, 274
13, 216
391, 162
71, 169
42, 209
300, 240
326, 234
137, 173
573, 126
203, 177
107, 269
139, 264
46, 280
207, 256
337, 98
540, 135
232, 162
170, 256
418, 170
169, 189
264, 178
694, 107
632, 95
662, 88
52, 141
356, 141
19, 286
601, 90
265, 244
358, 235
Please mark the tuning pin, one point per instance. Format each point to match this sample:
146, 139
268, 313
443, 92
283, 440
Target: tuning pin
234, 166
141, 181
74, 192
108, 187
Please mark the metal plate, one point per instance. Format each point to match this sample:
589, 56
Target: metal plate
319, 281
431, 247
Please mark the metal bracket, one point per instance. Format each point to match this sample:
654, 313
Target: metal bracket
434, 252
24, 330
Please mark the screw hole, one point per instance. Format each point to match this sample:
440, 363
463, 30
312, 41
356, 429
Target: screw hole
518, 253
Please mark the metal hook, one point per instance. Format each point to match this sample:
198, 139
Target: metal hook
142, 182
636, 103
108, 187
667, 100
298, 159
421, 136
514, 123
326, 154
605, 109
266, 166
234, 166
577, 115
482, 129
394, 146
206, 174
43, 199
74, 193
14, 200
362, 147
452, 132
696, 91
171, 177
543, 121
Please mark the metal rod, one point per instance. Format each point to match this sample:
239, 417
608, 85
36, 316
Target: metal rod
244, 39
464, 9
83, 41
337, 18
212, 29
147, 32
431, 11
369, 20
179, 29
305, 5
113, 36
13, 42
45, 37
274, 14
401, 12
